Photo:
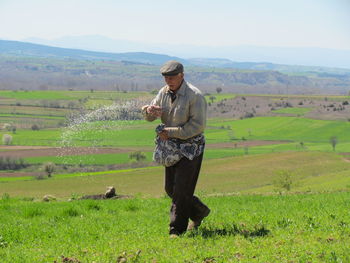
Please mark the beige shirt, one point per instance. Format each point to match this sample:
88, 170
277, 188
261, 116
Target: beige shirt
186, 116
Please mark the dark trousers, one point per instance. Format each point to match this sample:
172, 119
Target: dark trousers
180, 183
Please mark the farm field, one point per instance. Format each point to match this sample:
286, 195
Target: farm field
88, 144
309, 172
277, 180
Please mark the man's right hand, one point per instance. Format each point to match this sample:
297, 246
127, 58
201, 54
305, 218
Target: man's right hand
154, 110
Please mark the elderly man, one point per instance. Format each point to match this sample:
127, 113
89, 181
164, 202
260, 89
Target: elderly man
180, 145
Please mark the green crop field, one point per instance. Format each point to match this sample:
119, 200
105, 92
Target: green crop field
141, 133
295, 228
282, 128
70, 95
295, 111
219, 97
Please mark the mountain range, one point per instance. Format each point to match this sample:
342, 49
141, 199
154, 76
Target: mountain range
17, 48
307, 56
33, 66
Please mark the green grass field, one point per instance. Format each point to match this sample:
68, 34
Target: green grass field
70, 95
295, 228
141, 133
294, 111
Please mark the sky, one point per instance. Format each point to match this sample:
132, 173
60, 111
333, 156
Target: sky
273, 23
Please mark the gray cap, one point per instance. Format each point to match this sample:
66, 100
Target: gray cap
171, 68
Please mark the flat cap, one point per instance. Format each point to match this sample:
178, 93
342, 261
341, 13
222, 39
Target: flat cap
171, 68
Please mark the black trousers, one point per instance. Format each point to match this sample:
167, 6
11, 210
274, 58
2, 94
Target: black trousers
180, 183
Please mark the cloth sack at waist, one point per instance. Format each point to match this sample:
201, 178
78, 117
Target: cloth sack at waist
169, 152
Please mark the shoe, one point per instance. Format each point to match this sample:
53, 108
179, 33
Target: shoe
196, 223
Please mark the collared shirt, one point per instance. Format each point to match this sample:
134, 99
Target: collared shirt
185, 117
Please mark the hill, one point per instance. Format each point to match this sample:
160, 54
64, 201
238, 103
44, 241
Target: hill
18, 48
32, 66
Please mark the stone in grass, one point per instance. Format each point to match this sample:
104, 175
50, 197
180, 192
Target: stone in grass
109, 194
49, 198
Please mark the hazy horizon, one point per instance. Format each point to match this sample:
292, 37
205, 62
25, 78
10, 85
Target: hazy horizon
273, 23
298, 32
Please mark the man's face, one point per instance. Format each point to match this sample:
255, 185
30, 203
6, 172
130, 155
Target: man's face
174, 82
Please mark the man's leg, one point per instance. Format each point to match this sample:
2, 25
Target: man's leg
181, 180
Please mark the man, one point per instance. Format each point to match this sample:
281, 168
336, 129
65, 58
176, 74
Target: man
182, 109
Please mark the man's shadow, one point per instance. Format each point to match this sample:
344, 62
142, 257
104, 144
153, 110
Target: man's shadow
230, 230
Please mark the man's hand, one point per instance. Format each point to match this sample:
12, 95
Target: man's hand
153, 110
163, 135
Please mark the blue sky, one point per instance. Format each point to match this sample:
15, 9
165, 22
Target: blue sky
283, 23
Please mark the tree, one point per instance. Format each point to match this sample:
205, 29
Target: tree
284, 180
333, 140
49, 168
218, 89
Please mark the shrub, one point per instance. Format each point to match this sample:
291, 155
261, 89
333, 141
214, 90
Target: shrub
39, 177
49, 168
8, 163
138, 156
248, 115
284, 180
35, 127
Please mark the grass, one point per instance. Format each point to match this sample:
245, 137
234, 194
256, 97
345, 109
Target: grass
241, 228
70, 95
87, 159
20, 115
35, 111
141, 133
294, 111
122, 158
293, 228
219, 97
247, 173
280, 128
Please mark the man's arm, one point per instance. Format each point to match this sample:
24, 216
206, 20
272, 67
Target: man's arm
152, 111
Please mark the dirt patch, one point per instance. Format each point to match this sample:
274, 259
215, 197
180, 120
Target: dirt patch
32, 151
18, 174
242, 144
19, 147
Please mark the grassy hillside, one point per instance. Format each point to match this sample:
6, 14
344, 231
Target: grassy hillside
309, 171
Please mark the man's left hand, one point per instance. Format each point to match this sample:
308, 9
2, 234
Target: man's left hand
163, 135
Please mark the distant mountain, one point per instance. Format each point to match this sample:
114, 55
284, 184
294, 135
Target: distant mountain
17, 48
32, 66
307, 56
